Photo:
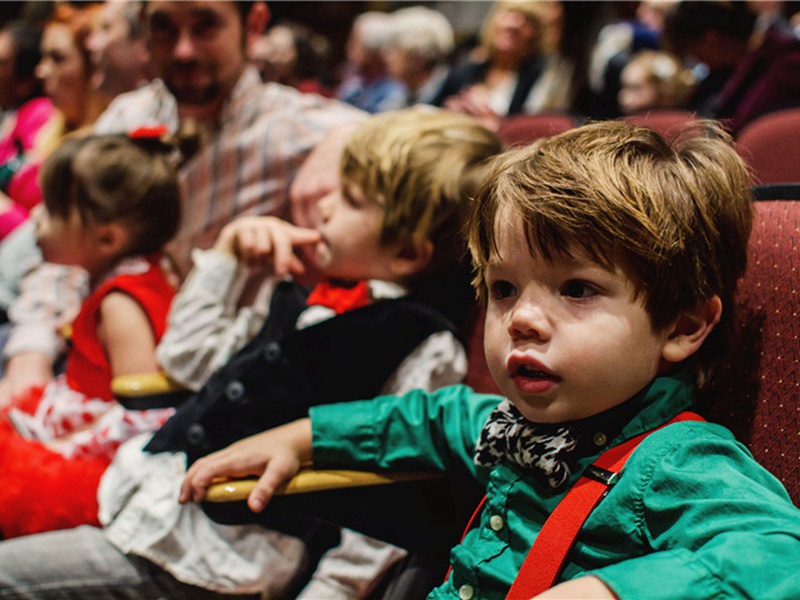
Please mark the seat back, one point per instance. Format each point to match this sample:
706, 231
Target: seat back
520, 130
769, 145
666, 122
757, 394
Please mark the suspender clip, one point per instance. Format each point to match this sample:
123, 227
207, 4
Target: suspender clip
607, 478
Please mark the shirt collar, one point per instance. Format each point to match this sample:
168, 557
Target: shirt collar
657, 403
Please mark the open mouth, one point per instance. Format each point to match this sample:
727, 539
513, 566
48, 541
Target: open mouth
533, 373
529, 376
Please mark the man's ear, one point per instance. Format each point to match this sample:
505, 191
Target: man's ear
691, 329
411, 259
257, 20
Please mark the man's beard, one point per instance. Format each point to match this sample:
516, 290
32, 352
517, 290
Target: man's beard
193, 95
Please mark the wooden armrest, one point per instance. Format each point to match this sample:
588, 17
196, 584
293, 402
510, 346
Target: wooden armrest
312, 480
139, 391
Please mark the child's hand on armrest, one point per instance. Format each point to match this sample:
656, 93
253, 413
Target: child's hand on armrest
263, 241
275, 455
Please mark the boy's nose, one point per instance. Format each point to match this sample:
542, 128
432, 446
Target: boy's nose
529, 321
325, 206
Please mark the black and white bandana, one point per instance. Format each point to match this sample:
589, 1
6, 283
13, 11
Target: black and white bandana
510, 437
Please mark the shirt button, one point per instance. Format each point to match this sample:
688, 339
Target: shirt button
235, 391
496, 522
600, 439
272, 352
195, 434
465, 592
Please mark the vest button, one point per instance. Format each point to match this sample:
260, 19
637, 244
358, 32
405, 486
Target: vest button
599, 439
272, 352
196, 434
496, 522
465, 592
234, 392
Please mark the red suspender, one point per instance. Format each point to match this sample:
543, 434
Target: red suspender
549, 552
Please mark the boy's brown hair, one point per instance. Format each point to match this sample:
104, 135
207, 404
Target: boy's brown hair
423, 168
675, 216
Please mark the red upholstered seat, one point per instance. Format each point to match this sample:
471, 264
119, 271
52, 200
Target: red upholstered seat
759, 392
771, 146
520, 130
666, 122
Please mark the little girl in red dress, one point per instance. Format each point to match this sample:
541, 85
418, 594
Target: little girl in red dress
110, 204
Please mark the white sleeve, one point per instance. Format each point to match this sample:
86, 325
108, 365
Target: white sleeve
439, 361
206, 325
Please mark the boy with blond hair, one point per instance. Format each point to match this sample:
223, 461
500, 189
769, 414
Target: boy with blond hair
608, 259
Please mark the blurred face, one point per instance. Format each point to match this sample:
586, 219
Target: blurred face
197, 48
350, 248
638, 91
564, 340
63, 241
513, 34
400, 64
274, 55
118, 58
63, 72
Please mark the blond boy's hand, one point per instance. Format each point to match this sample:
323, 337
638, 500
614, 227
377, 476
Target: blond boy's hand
275, 455
266, 241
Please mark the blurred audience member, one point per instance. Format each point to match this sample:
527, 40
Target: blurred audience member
654, 80
511, 59
118, 49
19, 55
24, 111
420, 43
365, 83
292, 54
753, 74
64, 70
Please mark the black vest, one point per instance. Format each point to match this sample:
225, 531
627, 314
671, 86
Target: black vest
282, 372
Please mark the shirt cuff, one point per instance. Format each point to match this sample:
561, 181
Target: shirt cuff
33, 338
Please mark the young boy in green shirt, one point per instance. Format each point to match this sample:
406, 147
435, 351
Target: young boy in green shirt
608, 259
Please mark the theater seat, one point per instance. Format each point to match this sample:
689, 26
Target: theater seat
666, 122
770, 147
758, 396
520, 130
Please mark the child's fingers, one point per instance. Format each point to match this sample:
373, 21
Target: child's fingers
285, 240
279, 471
203, 473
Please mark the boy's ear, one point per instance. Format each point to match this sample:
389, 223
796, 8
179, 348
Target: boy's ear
691, 329
411, 259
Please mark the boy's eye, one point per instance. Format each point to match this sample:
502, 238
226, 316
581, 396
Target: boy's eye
578, 289
500, 290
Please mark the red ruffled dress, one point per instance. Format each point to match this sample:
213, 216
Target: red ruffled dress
56, 442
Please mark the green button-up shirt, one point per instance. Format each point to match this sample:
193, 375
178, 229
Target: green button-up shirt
691, 516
